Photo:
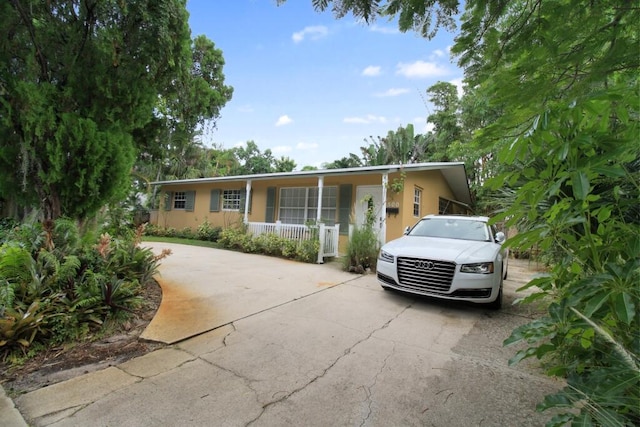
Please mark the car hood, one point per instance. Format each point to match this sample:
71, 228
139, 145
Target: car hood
458, 251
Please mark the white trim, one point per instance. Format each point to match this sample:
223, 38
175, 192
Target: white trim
319, 210
247, 200
383, 208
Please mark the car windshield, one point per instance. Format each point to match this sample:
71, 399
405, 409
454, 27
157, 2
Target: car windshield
452, 228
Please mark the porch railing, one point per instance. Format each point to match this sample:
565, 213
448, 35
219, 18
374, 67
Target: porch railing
328, 235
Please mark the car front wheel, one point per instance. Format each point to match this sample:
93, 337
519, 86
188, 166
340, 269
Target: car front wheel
497, 303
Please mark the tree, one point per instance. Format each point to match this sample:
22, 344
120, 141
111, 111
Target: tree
402, 146
422, 16
79, 88
283, 164
352, 161
447, 129
562, 76
252, 160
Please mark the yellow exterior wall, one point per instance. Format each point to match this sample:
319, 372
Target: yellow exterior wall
432, 183
433, 187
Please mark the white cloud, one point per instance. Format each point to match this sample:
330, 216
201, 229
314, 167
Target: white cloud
438, 53
281, 149
384, 30
306, 146
421, 69
284, 120
392, 92
369, 118
371, 71
315, 32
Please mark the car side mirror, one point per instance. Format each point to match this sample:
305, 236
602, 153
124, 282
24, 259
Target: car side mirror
500, 237
407, 230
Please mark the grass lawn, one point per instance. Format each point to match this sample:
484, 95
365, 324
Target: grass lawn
182, 241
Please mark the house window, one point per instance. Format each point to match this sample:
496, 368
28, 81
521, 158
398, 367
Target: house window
231, 200
179, 200
417, 198
300, 204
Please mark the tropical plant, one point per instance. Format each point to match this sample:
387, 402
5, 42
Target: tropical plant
362, 250
58, 287
592, 286
19, 328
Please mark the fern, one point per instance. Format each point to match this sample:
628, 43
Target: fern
7, 295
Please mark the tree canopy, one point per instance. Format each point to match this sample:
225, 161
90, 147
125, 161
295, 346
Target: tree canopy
555, 89
85, 85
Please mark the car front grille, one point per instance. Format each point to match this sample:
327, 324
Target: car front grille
425, 275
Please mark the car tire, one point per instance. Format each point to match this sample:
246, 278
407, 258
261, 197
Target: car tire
497, 303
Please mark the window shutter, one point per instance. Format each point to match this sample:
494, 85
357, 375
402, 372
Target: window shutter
190, 200
168, 200
270, 214
214, 203
243, 198
344, 207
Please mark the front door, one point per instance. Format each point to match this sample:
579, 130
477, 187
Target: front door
369, 206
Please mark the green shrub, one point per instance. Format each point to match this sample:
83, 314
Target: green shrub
208, 232
235, 238
170, 232
362, 250
289, 248
186, 233
154, 230
307, 251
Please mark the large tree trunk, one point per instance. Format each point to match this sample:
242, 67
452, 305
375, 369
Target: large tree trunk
50, 204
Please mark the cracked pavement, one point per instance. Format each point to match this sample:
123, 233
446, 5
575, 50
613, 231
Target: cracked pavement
348, 354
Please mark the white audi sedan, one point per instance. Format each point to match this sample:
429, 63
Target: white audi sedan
451, 257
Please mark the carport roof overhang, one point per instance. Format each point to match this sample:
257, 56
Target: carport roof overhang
454, 173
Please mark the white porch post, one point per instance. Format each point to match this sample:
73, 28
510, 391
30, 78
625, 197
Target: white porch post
383, 214
320, 185
322, 235
246, 202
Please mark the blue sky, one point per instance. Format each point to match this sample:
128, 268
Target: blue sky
311, 87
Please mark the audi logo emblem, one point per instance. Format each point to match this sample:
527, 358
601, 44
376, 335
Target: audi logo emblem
423, 265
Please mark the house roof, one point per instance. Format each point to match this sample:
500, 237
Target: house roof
453, 172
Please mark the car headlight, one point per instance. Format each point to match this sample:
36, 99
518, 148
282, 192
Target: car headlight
478, 268
385, 256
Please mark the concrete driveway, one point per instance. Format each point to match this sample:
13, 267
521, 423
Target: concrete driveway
308, 345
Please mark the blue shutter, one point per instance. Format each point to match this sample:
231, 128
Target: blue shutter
168, 200
190, 200
214, 203
270, 214
344, 207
